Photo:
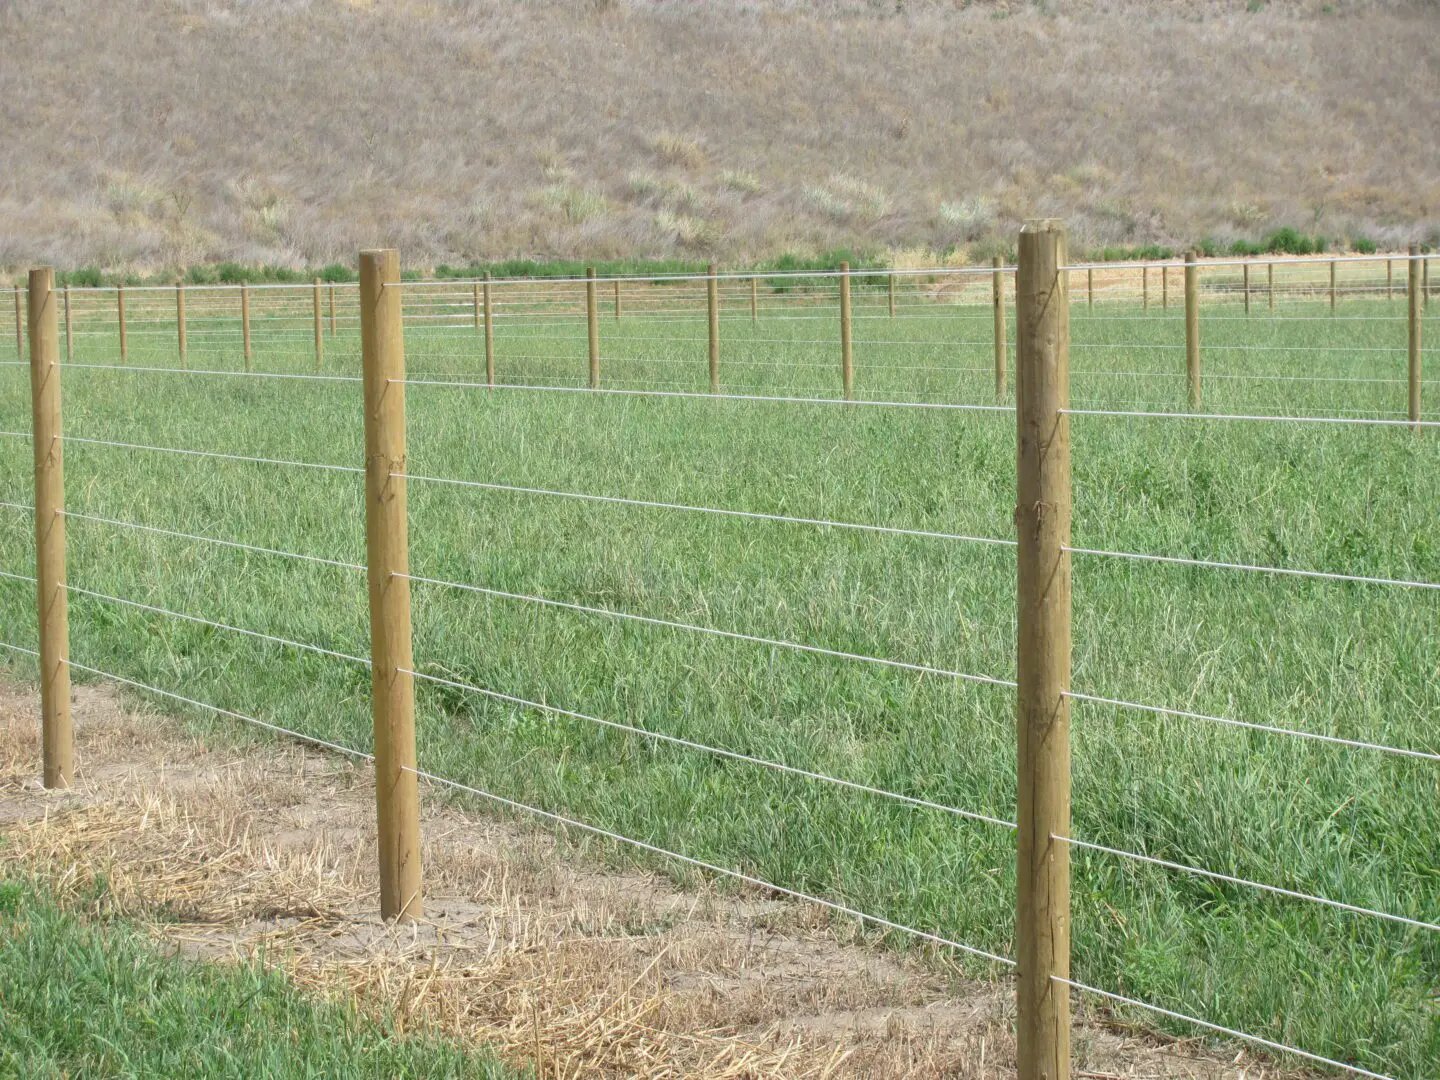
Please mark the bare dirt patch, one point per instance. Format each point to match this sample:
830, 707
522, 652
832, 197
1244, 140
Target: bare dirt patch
268, 852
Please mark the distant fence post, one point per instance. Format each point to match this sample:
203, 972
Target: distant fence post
1270, 285
1042, 518
593, 327
489, 332
475, 306
1089, 287
1332, 286
1246, 284
754, 301
1415, 305
712, 295
56, 737
397, 792
332, 309
120, 315
69, 328
1192, 328
1389, 279
1145, 288
19, 327
1425, 281
617, 299
847, 367
245, 320
180, 323
319, 327
892, 295
997, 299
1165, 287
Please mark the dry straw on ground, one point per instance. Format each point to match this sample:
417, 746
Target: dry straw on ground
267, 851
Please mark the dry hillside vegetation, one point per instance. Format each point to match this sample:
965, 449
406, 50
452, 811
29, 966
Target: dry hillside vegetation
267, 852
166, 132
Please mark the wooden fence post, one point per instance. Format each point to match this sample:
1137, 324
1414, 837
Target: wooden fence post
120, 315
19, 327
754, 302
997, 299
593, 327
56, 738
489, 333
1425, 281
1389, 279
69, 329
1192, 328
319, 328
397, 793
1089, 287
617, 299
180, 323
475, 306
245, 320
1332, 286
1144, 288
713, 297
1042, 519
847, 367
332, 309
892, 296
1270, 285
1165, 287
1246, 278
1415, 304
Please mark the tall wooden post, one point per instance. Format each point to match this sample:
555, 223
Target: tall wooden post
319, 327
1192, 328
69, 328
1246, 279
713, 296
245, 320
180, 323
489, 332
1089, 287
754, 302
892, 296
1332, 286
1042, 519
332, 309
617, 299
1144, 288
120, 316
1165, 287
593, 327
19, 327
475, 306
1425, 281
997, 300
1389, 279
1415, 282
847, 366
56, 738
397, 795
1270, 285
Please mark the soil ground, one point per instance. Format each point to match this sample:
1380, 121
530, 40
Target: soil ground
550, 957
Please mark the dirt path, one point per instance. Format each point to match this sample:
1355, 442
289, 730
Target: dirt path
594, 973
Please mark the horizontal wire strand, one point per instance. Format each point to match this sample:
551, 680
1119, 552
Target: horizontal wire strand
1258, 1040
1359, 420
1322, 575
737, 875
776, 643
688, 744
1162, 710
1261, 886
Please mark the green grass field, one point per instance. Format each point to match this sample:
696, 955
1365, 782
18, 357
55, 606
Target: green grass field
1359, 661
83, 997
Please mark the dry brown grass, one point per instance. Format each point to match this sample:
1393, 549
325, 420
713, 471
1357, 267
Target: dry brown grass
162, 132
227, 853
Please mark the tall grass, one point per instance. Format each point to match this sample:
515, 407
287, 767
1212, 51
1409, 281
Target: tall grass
1352, 660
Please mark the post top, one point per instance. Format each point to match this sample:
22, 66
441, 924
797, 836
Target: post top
1039, 225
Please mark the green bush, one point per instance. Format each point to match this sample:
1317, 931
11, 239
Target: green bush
1363, 244
1287, 241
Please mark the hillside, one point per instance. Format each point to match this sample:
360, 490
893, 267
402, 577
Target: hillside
158, 133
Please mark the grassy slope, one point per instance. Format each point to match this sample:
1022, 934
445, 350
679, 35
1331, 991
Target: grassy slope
298, 133
81, 997
1350, 660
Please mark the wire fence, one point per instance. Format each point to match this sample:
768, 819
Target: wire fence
939, 321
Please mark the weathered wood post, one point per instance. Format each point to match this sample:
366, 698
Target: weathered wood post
120, 316
245, 320
1192, 328
319, 327
56, 737
847, 367
593, 327
712, 294
1042, 519
489, 332
180, 323
1415, 307
997, 298
397, 793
